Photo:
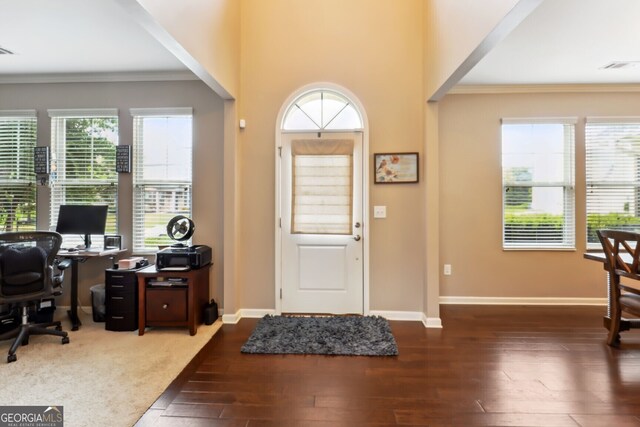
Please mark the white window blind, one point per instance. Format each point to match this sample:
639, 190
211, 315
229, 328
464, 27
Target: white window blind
322, 186
162, 173
613, 175
538, 183
17, 178
83, 157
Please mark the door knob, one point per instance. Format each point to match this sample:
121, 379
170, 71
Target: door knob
357, 225
357, 238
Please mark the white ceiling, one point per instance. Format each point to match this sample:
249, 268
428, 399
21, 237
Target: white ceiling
566, 42
82, 37
561, 42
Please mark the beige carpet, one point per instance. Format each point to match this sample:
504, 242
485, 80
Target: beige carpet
101, 378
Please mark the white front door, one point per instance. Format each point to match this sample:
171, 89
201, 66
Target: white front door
322, 211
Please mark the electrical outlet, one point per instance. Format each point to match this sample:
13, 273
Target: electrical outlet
447, 269
379, 211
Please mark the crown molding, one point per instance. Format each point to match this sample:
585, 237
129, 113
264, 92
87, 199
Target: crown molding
148, 76
542, 88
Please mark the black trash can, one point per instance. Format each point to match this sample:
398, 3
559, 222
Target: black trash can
97, 302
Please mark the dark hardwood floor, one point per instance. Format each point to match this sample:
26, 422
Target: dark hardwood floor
490, 365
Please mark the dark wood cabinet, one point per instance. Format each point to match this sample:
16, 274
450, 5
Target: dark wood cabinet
172, 298
121, 300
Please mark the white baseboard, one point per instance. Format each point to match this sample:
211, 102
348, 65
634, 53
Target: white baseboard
256, 313
246, 313
231, 319
431, 322
522, 301
415, 316
398, 315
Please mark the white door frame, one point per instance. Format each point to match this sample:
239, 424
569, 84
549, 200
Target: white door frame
365, 184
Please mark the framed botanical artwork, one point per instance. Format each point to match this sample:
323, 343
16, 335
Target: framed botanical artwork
395, 168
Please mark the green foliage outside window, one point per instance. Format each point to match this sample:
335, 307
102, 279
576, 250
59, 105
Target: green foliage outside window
610, 221
533, 227
18, 213
87, 175
89, 153
537, 226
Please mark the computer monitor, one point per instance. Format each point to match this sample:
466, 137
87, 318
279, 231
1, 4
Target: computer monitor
82, 219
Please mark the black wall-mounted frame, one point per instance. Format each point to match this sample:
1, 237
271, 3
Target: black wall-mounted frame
123, 159
41, 160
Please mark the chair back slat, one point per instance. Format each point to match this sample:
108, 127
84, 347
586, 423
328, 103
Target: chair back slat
622, 250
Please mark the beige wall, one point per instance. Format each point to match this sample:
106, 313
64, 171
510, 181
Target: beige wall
374, 49
207, 165
471, 198
453, 29
208, 29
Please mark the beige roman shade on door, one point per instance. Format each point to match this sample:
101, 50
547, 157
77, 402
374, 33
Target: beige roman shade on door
322, 186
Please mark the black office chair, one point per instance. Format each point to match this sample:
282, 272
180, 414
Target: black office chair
27, 262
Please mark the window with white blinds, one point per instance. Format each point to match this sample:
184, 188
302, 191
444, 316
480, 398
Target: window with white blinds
322, 201
613, 175
162, 173
538, 191
83, 159
17, 178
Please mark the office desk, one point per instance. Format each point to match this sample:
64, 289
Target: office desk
625, 324
77, 257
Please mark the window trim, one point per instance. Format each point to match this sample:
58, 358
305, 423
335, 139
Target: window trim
88, 113
148, 113
15, 116
569, 235
26, 114
82, 113
601, 120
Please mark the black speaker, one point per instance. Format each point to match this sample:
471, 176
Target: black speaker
210, 313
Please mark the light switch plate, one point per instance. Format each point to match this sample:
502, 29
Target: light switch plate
379, 211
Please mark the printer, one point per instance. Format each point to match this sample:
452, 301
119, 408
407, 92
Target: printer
183, 258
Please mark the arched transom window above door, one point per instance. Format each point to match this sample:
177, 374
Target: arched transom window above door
322, 109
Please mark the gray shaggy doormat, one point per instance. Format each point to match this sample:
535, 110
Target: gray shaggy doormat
340, 335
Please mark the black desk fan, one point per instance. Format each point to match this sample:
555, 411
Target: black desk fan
180, 228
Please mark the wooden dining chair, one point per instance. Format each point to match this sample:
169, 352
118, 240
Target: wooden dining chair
622, 250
